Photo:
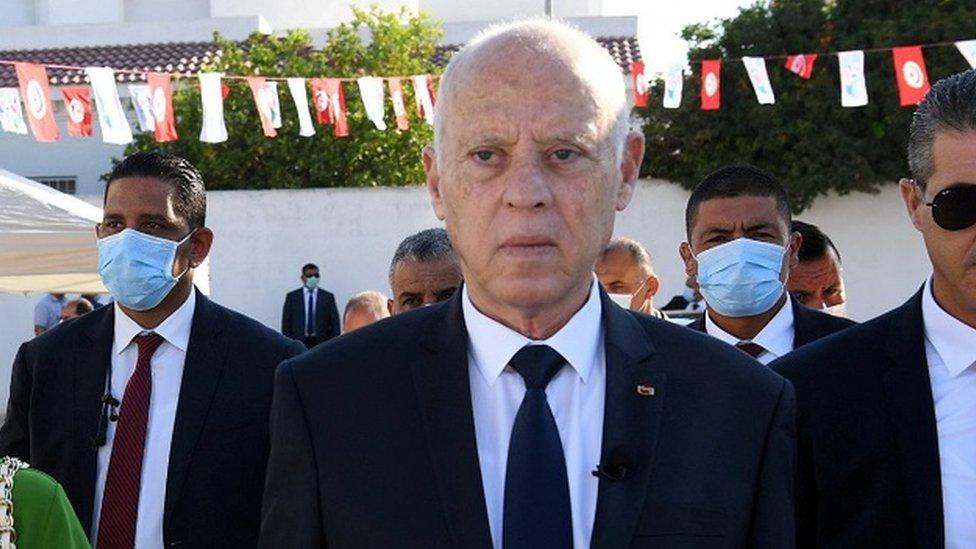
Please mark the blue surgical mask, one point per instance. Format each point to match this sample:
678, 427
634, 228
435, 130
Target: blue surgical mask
312, 282
742, 277
138, 268
688, 293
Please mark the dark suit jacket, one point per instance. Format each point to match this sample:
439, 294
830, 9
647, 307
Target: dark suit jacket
677, 303
373, 441
868, 470
220, 440
327, 323
808, 325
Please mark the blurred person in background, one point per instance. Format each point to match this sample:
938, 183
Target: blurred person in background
364, 309
817, 281
424, 270
625, 270
47, 312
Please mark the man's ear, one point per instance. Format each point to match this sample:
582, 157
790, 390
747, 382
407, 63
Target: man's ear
389, 306
911, 195
653, 285
433, 181
200, 244
691, 264
630, 163
796, 240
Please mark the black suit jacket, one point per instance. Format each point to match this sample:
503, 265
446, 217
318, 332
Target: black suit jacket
373, 441
808, 325
220, 439
677, 303
868, 470
327, 323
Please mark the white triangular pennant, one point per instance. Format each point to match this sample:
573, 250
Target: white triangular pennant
371, 91
968, 50
756, 67
11, 112
300, 96
142, 104
213, 129
111, 117
673, 86
853, 90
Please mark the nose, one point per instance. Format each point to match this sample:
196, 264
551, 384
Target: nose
527, 187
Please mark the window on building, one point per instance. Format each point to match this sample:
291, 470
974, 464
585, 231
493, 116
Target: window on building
63, 183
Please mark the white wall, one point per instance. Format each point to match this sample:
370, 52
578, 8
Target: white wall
172, 10
264, 237
78, 12
18, 13
453, 10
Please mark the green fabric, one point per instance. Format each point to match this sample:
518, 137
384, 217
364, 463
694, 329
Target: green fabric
43, 516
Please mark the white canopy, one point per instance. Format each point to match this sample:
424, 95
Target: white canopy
47, 239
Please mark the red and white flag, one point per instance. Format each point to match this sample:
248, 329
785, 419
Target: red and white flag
337, 107
913, 81
399, 107
640, 84
161, 92
801, 64
36, 92
321, 101
263, 103
423, 88
77, 101
711, 84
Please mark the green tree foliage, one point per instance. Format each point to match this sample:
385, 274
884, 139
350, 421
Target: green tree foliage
807, 139
373, 43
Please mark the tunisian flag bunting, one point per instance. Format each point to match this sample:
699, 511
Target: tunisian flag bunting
321, 101
161, 92
968, 50
337, 107
371, 92
711, 84
399, 106
37, 98
640, 84
673, 85
801, 64
853, 89
262, 101
77, 101
299, 95
111, 117
423, 91
756, 67
913, 82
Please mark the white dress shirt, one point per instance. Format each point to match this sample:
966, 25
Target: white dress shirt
575, 394
776, 337
167, 375
306, 291
950, 350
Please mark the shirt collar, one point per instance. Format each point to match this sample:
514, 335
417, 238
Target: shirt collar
776, 336
492, 344
175, 329
954, 340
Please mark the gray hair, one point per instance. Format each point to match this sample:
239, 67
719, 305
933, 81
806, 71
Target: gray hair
592, 62
370, 300
426, 246
635, 250
949, 106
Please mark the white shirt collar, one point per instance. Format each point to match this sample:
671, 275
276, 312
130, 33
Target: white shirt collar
776, 336
954, 340
492, 344
175, 329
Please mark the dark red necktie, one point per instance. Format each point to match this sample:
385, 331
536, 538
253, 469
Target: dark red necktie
750, 348
120, 500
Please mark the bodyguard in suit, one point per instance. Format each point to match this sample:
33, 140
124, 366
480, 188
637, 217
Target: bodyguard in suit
310, 314
529, 410
887, 409
740, 250
152, 413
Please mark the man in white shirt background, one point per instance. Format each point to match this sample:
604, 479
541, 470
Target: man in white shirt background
887, 409
740, 250
47, 312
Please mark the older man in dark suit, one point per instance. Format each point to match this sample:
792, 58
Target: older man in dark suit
152, 413
529, 410
887, 409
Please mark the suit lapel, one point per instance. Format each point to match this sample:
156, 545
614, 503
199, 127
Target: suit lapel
444, 394
202, 369
636, 391
320, 314
92, 359
908, 395
802, 329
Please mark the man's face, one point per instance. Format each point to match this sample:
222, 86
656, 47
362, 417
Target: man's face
309, 273
527, 182
619, 273
722, 220
953, 253
417, 284
358, 317
145, 204
818, 283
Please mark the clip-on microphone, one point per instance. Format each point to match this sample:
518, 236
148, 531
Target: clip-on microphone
109, 413
617, 465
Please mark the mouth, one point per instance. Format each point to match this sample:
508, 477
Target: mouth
528, 245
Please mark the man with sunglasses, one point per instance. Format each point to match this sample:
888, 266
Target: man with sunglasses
887, 410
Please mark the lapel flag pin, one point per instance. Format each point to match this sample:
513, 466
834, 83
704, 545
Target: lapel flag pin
645, 390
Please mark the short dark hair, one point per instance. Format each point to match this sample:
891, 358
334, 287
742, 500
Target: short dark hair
308, 266
83, 306
734, 181
815, 243
427, 246
949, 106
190, 201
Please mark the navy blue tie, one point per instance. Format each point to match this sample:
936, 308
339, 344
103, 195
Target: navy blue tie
537, 508
310, 317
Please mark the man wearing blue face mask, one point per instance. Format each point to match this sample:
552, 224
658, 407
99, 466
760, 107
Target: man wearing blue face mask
310, 314
740, 250
152, 413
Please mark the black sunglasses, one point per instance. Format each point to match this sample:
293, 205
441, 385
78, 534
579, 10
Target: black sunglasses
954, 209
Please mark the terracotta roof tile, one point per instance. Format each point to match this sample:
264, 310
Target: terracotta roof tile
187, 57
